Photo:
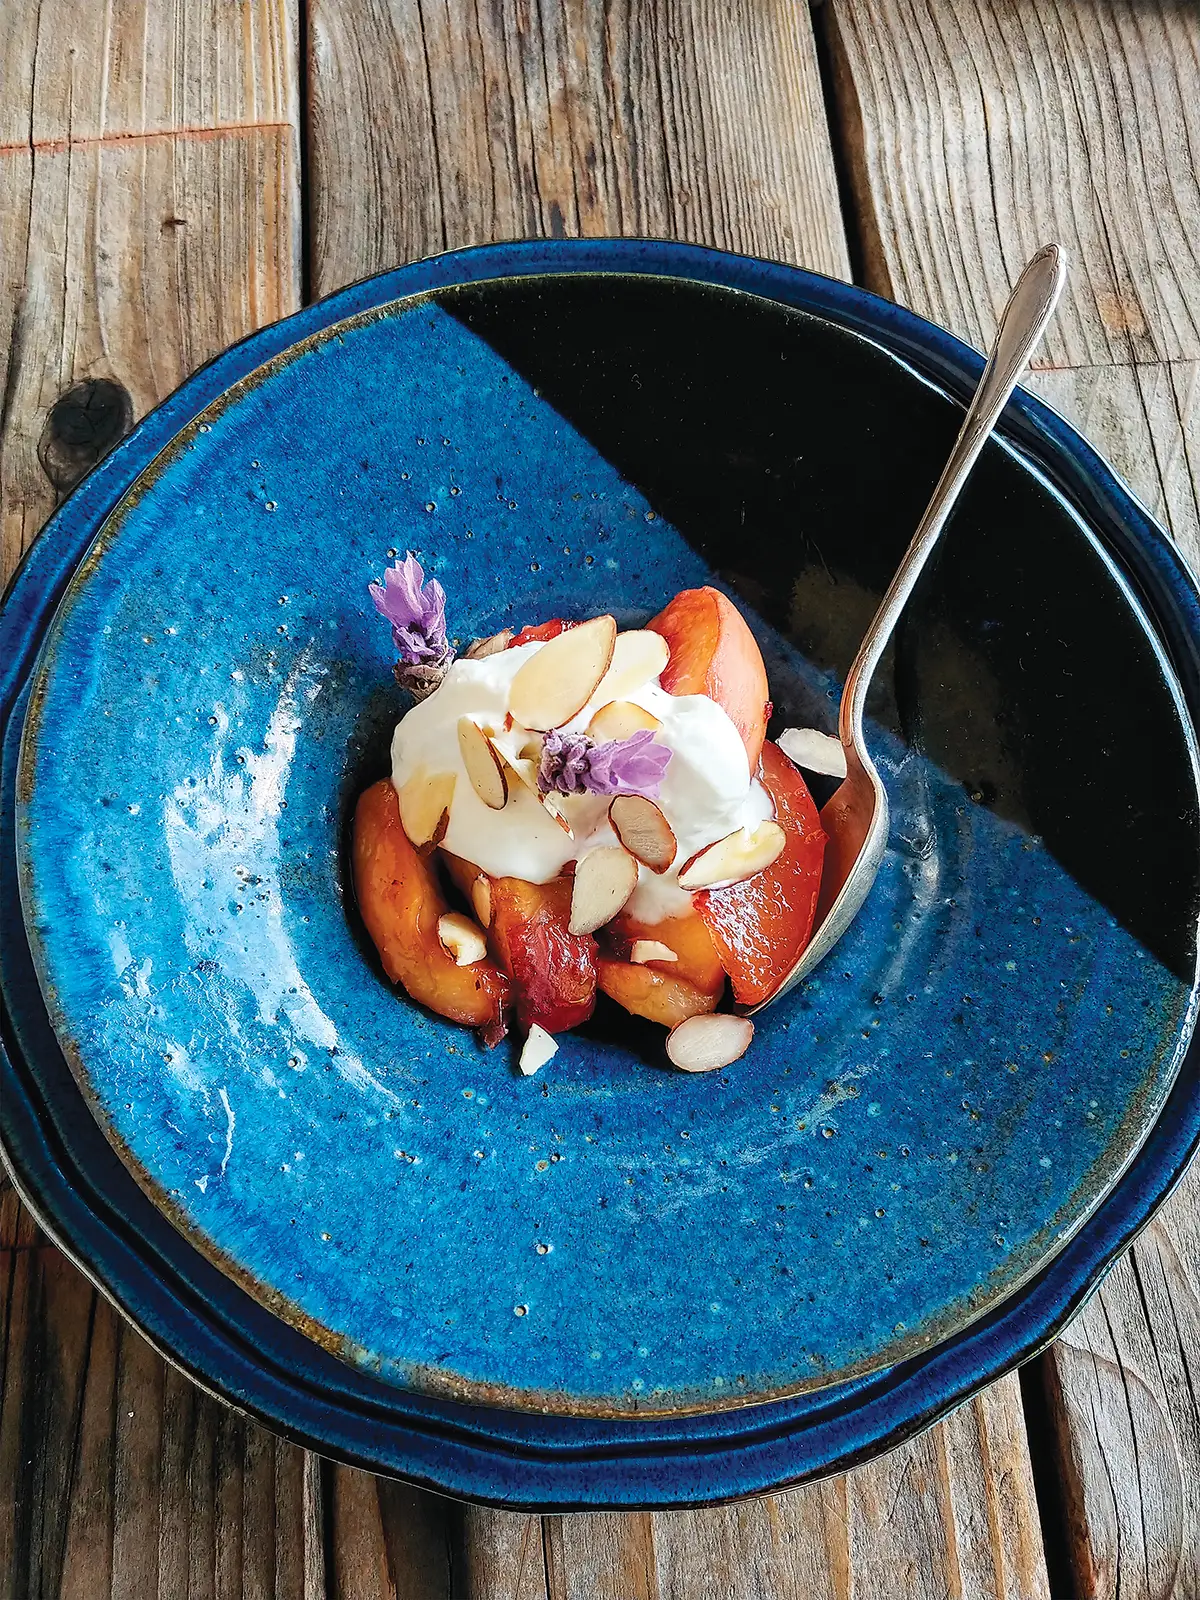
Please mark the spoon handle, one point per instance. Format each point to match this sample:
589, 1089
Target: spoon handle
1024, 321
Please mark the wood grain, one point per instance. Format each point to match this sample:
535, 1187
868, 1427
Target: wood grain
952, 1513
388, 1542
976, 131
442, 123
1124, 1386
117, 1476
979, 130
149, 205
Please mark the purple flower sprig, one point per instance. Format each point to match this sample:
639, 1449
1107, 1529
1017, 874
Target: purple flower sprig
416, 610
573, 763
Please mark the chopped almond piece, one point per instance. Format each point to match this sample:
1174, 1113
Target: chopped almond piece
425, 807
485, 767
643, 950
555, 684
707, 1043
604, 880
461, 938
538, 1048
737, 856
643, 830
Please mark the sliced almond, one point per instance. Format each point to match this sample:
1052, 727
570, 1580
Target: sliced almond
814, 751
643, 950
735, 857
461, 938
643, 830
521, 767
484, 764
604, 880
557, 682
538, 1048
481, 900
425, 807
638, 656
709, 1042
620, 719
491, 646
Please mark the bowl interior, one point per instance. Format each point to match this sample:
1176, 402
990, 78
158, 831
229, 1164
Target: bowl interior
916, 1130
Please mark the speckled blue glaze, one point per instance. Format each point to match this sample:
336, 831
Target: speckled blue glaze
216, 1330
915, 1131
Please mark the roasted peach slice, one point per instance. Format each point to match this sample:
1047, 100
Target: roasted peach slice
402, 903
713, 652
651, 993
761, 925
696, 959
553, 971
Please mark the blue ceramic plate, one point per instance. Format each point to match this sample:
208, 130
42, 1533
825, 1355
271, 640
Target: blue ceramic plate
914, 1135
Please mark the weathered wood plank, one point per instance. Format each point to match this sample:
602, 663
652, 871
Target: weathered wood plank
499, 1553
950, 1513
442, 123
976, 132
149, 209
388, 1542
117, 1476
1124, 1384
979, 130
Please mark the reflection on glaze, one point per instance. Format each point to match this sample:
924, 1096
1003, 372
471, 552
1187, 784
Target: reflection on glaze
222, 839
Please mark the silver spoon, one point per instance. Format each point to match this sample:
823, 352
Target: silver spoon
856, 816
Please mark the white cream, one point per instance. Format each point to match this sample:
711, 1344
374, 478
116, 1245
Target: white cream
706, 794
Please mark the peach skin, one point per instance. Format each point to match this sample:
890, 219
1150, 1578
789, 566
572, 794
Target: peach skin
713, 652
401, 901
760, 926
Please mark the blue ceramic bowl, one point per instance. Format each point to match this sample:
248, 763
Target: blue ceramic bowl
918, 1132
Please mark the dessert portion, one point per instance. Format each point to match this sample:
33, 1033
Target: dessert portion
577, 809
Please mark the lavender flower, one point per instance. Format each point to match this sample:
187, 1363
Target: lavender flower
573, 763
416, 611
564, 763
629, 766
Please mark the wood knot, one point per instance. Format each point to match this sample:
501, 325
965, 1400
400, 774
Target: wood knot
82, 427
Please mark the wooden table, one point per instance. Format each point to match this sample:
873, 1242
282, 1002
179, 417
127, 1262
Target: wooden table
173, 176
